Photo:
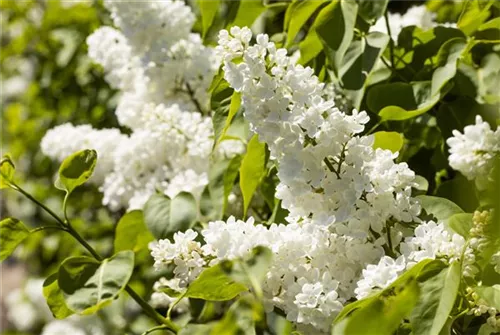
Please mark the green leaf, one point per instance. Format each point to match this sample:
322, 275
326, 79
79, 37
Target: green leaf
297, 15
335, 29
222, 175
358, 64
214, 285
76, 169
475, 13
384, 312
12, 233
252, 170
230, 176
208, 10
437, 297
241, 318
248, 12
488, 79
489, 31
250, 270
196, 329
7, 170
401, 101
490, 294
132, 234
486, 329
448, 56
55, 298
89, 285
419, 271
440, 208
461, 223
422, 183
234, 107
165, 216
371, 10
389, 140
220, 102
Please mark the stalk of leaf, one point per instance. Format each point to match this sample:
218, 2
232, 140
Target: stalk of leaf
65, 225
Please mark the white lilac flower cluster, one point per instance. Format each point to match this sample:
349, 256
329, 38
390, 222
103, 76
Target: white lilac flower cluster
430, 241
26, 307
415, 16
472, 153
340, 193
326, 170
163, 72
313, 272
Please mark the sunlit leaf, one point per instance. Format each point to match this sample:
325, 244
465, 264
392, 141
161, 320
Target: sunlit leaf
214, 284
89, 285
164, 216
7, 170
389, 140
437, 296
252, 170
55, 298
12, 233
76, 169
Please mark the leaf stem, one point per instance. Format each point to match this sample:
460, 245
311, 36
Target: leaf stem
194, 100
374, 127
391, 42
47, 227
66, 226
149, 331
173, 304
45, 208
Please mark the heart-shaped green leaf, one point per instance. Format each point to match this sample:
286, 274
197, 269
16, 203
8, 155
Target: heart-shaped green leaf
76, 169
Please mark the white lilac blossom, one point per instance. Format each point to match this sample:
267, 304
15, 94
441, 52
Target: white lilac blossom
472, 153
379, 276
327, 171
415, 16
430, 241
62, 327
26, 307
169, 154
27, 310
340, 192
75, 325
313, 272
153, 57
163, 72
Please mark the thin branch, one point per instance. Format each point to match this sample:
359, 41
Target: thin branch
29, 196
149, 331
194, 100
391, 42
148, 309
37, 229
